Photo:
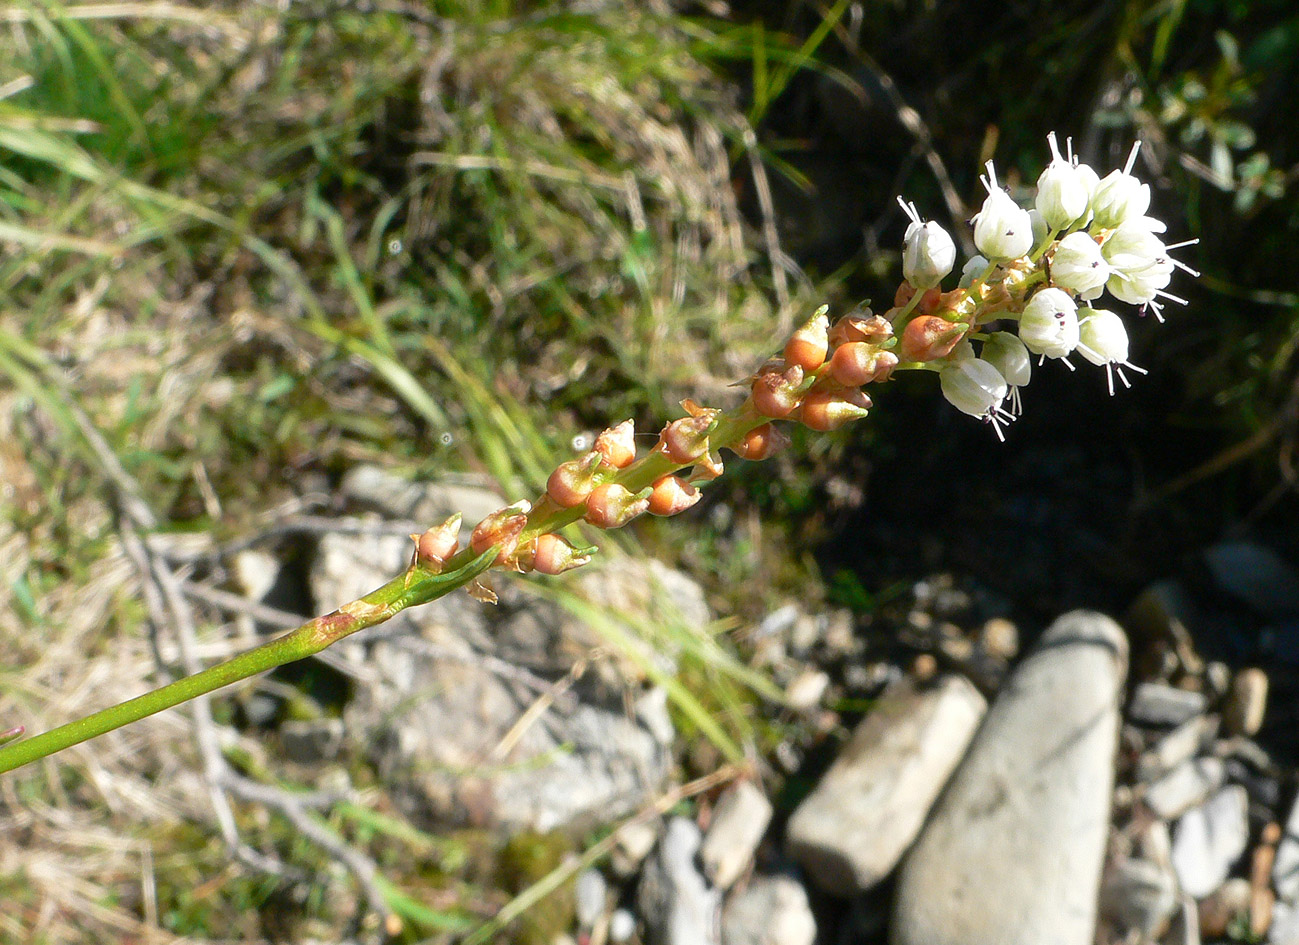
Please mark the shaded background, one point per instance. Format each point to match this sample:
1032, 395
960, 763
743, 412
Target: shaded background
259, 247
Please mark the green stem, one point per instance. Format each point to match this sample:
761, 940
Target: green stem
418, 585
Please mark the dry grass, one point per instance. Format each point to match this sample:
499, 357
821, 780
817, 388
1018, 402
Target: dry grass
257, 247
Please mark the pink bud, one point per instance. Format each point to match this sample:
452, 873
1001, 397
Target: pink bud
618, 445
928, 338
438, 543
550, 554
572, 482
761, 442
858, 362
672, 495
828, 409
776, 395
686, 439
610, 505
869, 328
501, 529
807, 346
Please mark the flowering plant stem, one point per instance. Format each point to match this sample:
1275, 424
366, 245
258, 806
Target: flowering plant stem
418, 585
1109, 245
422, 582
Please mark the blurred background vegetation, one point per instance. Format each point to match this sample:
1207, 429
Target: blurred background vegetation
256, 245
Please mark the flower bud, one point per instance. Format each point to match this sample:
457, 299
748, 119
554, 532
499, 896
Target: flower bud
872, 329
1040, 229
973, 386
501, 529
572, 481
1049, 325
776, 395
807, 346
928, 338
1103, 340
1141, 266
438, 543
1120, 198
928, 253
610, 505
973, 268
707, 466
1077, 265
1062, 192
686, 439
1009, 356
1002, 229
618, 445
1102, 337
857, 363
930, 300
672, 495
550, 554
761, 443
826, 408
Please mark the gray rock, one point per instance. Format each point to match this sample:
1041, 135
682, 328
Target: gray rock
1013, 851
1208, 839
1256, 576
1243, 713
589, 892
1138, 897
441, 691
1187, 785
771, 910
1285, 868
739, 821
1159, 704
622, 926
1178, 746
634, 842
678, 905
805, 692
427, 503
853, 828
1285, 925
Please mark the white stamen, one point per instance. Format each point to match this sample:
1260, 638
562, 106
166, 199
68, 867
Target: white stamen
1132, 157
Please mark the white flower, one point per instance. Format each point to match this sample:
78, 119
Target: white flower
1079, 266
1040, 230
1120, 197
928, 253
1131, 247
975, 387
1140, 265
1002, 229
1103, 340
1091, 180
1007, 354
1049, 325
972, 269
1062, 192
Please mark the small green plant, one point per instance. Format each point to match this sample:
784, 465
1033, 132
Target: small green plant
1084, 236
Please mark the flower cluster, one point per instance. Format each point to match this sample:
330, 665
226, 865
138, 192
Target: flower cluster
1036, 285
1032, 290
